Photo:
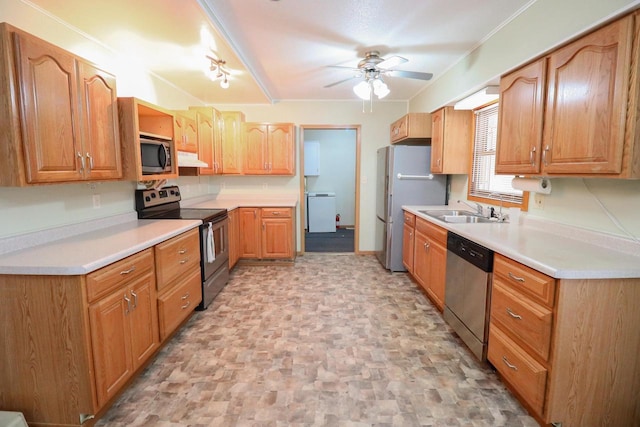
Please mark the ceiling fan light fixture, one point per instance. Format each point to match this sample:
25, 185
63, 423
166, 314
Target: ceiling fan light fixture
363, 90
380, 88
224, 83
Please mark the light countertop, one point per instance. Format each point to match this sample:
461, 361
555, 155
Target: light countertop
233, 201
86, 252
557, 250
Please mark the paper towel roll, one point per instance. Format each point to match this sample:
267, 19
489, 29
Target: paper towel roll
536, 185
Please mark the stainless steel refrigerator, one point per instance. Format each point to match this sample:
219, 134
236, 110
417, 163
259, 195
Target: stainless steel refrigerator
403, 178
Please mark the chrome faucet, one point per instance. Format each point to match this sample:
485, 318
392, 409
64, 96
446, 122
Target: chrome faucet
478, 207
500, 216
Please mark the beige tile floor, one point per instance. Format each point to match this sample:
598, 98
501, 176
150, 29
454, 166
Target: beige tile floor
335, 340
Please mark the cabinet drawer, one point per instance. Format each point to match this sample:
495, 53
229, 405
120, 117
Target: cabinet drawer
177, 255
528, 321
525, 279
179, 302
527, 376
276, 213
102, 282
433, 231
409, 219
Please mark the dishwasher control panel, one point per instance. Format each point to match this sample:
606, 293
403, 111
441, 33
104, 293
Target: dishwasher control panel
470, 251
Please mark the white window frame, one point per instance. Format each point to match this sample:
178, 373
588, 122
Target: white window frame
484, 185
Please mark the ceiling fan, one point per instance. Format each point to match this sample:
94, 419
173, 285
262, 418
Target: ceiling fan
372, 68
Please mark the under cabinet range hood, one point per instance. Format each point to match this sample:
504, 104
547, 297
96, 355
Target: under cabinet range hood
190, 160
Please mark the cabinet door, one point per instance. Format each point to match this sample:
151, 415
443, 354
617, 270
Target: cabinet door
100, 131
437, 140
206, 142
587, 101
48, 91
231, 125
281, 149
421, 259
234, 238
277, 238
436, 280
407, 246
520, 120
111, 340
143, 319
254, 139
249, 220
217, 141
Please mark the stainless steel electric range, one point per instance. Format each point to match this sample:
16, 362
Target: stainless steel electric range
164, 203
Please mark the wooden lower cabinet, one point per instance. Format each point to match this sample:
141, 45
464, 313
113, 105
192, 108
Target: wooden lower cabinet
179, 280
266, 233
124, 333
567, 347
234, 238
430, 260
73, 342
408, 241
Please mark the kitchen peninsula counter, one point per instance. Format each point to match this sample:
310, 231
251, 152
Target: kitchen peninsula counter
88, 251
558, 250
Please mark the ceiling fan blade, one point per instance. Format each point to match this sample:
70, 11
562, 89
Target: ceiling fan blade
411, 74
342, 81
342, 67
392, 61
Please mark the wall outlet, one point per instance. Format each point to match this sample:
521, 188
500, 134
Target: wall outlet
96, 201
538, 200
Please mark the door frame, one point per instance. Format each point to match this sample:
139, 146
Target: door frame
356, 235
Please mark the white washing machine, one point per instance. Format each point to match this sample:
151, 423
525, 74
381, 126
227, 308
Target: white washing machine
322, 212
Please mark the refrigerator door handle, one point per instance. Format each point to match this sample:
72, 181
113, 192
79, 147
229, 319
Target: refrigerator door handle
417, 177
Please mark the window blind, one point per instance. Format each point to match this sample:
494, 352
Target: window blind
484, 182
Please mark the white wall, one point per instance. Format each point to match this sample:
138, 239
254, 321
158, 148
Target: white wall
543, 26
337, 169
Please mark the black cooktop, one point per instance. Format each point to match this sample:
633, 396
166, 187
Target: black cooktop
164, 203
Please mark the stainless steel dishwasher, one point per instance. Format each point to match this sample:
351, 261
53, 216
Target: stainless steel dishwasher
468, 292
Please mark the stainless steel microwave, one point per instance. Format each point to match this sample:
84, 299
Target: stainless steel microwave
155, 154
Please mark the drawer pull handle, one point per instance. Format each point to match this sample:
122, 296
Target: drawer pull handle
512, 314
131, 270
516, 278
182, 251
135, 299
186, 305
506, 362
183, 261
185, 296
275, 213
128, 304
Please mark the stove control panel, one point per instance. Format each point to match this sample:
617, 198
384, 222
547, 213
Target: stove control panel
156, 197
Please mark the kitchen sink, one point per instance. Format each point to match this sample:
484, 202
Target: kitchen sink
457, 216
464, 219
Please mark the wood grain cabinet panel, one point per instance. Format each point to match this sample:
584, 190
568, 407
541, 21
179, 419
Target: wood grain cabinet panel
234, 238
267, 233
430, 260
411, 127
408, 241
574, 112
178, 302
209, 139
175, 256
269, 149
451, 141
231, 133
62, 115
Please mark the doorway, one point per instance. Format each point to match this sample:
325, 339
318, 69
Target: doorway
332, 175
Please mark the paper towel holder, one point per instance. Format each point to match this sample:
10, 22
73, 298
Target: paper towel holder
535, 185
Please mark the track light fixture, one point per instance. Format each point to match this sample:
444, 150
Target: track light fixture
217, 71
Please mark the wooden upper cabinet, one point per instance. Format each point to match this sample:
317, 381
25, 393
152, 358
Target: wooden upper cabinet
574, 112
586, 102
520, 119
412, 126
61, 115
209, 139
268, 149
451, 141
231, 132
186, 131
69, 126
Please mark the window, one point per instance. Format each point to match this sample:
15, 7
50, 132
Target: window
485, 185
